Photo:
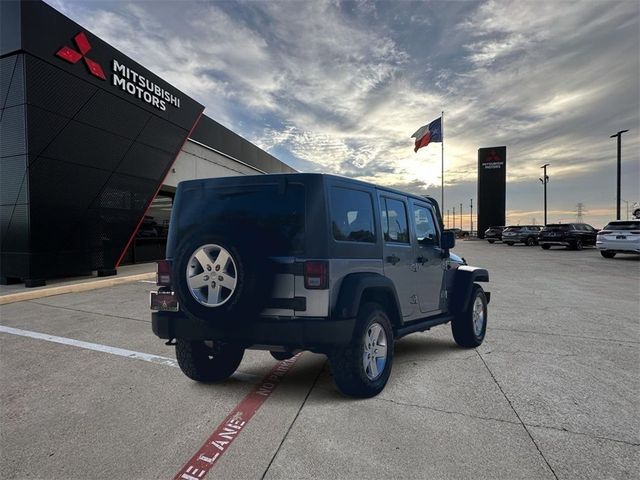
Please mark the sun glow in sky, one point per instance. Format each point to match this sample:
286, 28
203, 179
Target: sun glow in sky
339, 87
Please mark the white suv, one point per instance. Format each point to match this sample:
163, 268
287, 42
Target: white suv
619, 236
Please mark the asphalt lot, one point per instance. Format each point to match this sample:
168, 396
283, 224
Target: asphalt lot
552, 393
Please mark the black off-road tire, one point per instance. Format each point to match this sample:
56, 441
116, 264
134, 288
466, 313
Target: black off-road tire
281, 355
203, 363
607, 253
462, 325
347, 363
254, 280
545, 246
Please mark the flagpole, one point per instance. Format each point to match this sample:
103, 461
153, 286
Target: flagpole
442, 161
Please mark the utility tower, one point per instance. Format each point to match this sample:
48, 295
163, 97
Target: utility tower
580, 211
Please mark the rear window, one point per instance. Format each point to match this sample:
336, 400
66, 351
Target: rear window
630, 225
266, 212
352, 215
559, 228
513, 229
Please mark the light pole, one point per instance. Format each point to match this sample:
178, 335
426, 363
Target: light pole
619, 135
454, 217
460, 216
448, 219
545, 180
471, 214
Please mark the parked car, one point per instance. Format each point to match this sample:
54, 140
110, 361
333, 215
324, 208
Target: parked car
294, 262
571, 235
619, 236
493, 234
527, 234
459, 233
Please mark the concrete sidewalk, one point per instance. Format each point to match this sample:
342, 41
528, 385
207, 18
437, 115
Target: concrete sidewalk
126, 274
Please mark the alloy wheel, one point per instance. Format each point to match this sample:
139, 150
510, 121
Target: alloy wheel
211, 275
374, 357
478, 316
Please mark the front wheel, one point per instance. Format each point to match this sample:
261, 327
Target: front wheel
470, 326
531, 242
509, 243
491, 241
607, 253
545, 246
208, 361
362, 368
577, 245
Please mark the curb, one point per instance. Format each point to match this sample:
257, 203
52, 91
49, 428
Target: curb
73, 288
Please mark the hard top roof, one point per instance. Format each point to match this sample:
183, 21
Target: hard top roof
252, 178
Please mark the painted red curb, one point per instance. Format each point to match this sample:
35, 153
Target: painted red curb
224, 435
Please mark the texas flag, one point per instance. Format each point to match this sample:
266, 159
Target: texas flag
428, 133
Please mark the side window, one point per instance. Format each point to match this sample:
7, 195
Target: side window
352, 215
394, 221
426, 232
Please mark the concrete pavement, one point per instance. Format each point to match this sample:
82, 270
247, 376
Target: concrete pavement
552, 393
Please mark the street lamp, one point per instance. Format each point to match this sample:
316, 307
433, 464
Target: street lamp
545, 180
619, 135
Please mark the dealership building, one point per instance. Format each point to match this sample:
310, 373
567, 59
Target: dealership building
92, 146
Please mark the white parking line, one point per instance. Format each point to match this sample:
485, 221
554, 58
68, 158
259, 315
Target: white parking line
121, 352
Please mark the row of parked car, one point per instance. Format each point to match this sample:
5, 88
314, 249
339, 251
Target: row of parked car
619, 236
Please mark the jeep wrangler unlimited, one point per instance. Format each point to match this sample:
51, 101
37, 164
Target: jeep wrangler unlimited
293, 262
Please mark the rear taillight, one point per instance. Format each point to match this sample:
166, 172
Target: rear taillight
163, 273
316, 275
604, 232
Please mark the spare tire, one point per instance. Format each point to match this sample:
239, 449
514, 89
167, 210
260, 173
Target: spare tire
221, 279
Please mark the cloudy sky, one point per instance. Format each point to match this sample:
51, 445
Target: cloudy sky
340, 87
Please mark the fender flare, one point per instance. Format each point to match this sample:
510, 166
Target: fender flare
465, 277
353, 288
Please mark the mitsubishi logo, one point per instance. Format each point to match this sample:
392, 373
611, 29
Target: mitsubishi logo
493, 157
73, 56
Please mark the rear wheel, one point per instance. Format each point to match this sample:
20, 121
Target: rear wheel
607, 253
545, 246
531, 242
491, 241
470, 325
208, 361
509, 243
362, 368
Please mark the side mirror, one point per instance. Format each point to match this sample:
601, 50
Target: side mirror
448, 240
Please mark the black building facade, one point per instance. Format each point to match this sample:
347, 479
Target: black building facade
87, 137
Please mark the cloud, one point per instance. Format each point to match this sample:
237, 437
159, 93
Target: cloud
339, 87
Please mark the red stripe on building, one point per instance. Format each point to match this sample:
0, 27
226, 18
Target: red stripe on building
224, 435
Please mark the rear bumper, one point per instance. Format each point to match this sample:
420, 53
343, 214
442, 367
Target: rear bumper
554, 242
301, 333
618, 246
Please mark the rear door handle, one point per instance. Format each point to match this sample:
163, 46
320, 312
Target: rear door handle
392, 259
